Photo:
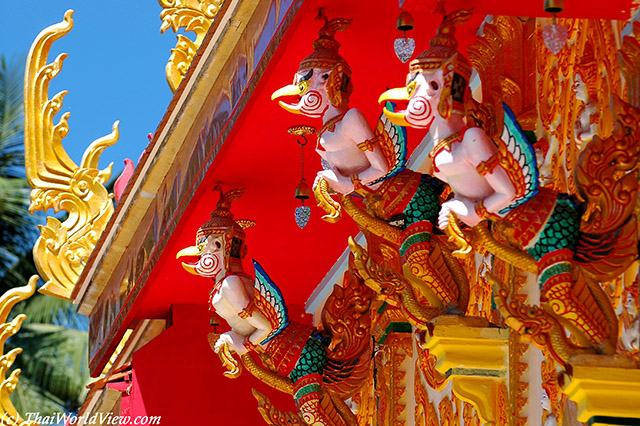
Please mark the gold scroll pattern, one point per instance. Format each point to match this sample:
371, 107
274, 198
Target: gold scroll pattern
8, 414
58, 183
591, 53
192, 15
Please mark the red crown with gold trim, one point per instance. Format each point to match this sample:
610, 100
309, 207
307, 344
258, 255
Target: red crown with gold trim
444, 47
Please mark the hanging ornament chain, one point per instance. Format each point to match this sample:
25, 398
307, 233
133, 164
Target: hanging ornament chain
303, 192
302, 145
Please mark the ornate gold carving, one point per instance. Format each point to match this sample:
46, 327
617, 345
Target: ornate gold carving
365, 400
8, 414
482, 241
392, 288
470, 417
629, 57
273, 416
608, 179
425, 412
234, 369
192, 15
346, 316
57, 182
534, 323
504, 57
589, 53
391, 387
447, 413
283, 384
552, 387
427, 364
333, 209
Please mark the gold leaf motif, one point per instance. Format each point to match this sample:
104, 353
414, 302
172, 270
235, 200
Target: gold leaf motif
192, 15
57, 182
8, 414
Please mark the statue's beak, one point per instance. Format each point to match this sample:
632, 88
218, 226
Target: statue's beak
189, 251
290, 91
398, 96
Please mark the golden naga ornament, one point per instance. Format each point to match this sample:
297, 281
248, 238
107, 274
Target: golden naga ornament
192, 15
57, 182
8, 414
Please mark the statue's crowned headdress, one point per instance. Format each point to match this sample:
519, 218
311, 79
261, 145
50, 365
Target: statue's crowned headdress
325, 56
223, 223
444, 47
443, 54
325, 49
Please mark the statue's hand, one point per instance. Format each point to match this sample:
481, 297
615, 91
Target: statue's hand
464, 210
336, 181
233, 340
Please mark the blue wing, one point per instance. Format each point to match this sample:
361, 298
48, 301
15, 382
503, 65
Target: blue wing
268, 299
393, 143
523, 170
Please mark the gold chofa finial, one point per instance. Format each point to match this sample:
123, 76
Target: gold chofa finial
58, 183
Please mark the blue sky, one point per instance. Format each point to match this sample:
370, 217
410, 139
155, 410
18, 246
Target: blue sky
114, 71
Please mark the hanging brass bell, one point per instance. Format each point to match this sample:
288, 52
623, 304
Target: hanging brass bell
405, 21
553, 6
303, 192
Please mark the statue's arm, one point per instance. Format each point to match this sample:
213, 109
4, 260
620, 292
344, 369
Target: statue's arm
479, 149
483, 150
239, 296
361, 134
262, 328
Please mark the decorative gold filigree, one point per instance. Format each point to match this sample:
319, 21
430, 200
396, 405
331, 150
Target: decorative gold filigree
608, 175
534, 323
328, 204
552, 387
629, 57
192, 15
470, 416
589, 53
272, 415
346, 316
234, 369
391, 378
8, 414
425, 412
427, 364
57, 182
392, 288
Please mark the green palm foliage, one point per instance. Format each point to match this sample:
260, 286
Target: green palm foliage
53, 337
16, 227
